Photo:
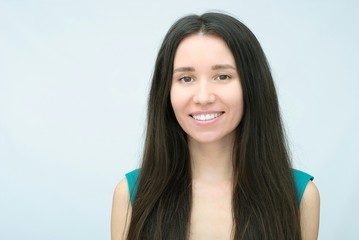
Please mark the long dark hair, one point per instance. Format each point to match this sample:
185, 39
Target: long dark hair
264, 197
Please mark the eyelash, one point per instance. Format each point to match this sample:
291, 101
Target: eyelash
227, 77
182, 79
223, 75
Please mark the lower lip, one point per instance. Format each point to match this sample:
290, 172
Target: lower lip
206, 122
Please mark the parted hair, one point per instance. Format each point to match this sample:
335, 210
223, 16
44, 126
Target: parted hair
264, 202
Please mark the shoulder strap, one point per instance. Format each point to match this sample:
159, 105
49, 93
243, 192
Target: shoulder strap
301, 180
132, 184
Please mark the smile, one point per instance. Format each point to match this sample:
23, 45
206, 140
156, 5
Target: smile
206, 117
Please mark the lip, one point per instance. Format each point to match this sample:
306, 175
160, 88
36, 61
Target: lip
206, 117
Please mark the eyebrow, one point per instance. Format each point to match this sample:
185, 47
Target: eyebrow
214, 67
184, 69
223, 66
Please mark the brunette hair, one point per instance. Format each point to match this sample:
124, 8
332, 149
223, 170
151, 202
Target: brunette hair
264, 197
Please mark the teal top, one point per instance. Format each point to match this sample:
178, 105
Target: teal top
301, 180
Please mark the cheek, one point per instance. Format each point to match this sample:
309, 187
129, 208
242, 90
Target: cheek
179, 97
176, 102
238, 101
235, 100
240, 111
240, 105
232, 95
173, 99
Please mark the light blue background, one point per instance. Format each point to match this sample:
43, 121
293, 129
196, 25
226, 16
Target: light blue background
74, 78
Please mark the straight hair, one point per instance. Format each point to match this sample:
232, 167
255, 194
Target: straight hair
264, 202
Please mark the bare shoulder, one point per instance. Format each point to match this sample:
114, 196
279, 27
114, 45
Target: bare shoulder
121, 191
310, 212
121, 211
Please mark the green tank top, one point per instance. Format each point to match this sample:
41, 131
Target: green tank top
301, 180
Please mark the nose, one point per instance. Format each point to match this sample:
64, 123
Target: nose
204, 93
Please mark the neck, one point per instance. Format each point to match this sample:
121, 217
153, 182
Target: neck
211, 162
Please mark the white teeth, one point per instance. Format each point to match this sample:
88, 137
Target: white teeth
206, 117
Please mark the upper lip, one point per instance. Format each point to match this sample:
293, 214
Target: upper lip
206, 112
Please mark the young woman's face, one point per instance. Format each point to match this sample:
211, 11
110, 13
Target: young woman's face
206, 92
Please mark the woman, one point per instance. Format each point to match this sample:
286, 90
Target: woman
215, 163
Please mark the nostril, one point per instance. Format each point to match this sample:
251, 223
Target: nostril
204, 98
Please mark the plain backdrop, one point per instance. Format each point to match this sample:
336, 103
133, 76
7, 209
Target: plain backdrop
74, 80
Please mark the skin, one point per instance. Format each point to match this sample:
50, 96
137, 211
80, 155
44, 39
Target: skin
121, 211
310, 212
205, 81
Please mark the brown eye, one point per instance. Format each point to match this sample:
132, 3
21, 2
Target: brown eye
223, 77
186, 79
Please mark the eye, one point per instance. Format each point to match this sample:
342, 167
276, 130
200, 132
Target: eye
186, 79
223, 77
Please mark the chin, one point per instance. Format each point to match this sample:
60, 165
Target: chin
210, 138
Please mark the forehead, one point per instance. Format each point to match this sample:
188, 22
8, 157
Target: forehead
199, 47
